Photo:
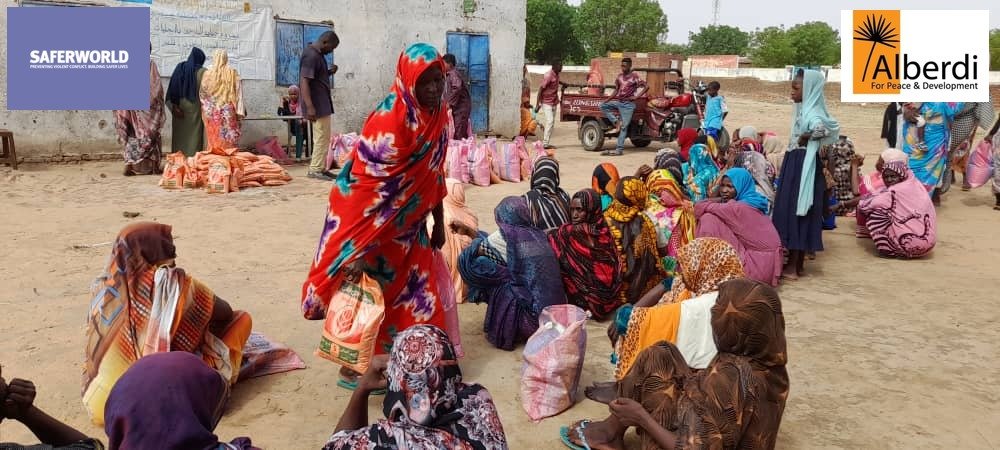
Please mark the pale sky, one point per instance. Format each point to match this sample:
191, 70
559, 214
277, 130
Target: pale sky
684, 17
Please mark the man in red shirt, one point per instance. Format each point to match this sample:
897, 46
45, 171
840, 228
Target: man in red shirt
628, 87
548, 98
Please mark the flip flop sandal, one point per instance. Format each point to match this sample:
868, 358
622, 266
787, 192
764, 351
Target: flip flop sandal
564, 435
353, 386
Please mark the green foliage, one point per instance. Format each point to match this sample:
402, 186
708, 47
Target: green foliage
719, 40
550, 33
604, 26
675, 49
995, 49
771, 47
815, 44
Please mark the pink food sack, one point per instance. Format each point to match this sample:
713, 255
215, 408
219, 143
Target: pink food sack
530, 157
553, 360
439, 269
508, 162
479, 163
269, 146
262, 356
979, 169
458, 160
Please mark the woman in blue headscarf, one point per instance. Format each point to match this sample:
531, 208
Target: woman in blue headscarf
700, 172
798, 204
182, 98
739, 216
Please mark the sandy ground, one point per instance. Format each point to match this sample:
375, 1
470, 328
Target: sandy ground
883, 354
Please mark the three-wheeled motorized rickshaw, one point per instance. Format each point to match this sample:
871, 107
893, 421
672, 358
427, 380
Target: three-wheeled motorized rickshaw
657, 116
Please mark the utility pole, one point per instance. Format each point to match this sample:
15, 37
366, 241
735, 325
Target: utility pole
715, 12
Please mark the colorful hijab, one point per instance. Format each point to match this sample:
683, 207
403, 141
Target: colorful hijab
549, 203
221, 81
746, 190
670, 160
901, 219
168, 400
590, 262
671, 212
635, 237
685, 139
293, 107
928, 158
386, 190
701, 172
809, 114
603, 181
184, 80
427, 406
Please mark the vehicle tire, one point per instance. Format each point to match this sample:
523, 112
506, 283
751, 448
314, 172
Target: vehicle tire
638, 142
592, 136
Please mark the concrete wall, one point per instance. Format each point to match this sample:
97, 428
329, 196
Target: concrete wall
372, 33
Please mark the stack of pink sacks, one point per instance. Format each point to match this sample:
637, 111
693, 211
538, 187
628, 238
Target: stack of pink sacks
488, 162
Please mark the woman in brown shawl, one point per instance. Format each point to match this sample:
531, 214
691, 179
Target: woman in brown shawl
736, 402
139, 131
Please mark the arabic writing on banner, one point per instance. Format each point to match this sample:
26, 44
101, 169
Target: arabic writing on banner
176, 26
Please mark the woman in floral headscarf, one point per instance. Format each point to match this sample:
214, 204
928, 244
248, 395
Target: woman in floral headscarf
376, 221
427, 405
222, 103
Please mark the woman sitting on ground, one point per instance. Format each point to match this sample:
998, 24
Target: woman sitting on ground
590, 262
145, 304
549, 203
604, 181
672, 214
737, 402
635, 237
666, 312
669, 159
169, 401
701, 171
427, 406
901, 218
17, 403
514, 271
749, 154
738, 216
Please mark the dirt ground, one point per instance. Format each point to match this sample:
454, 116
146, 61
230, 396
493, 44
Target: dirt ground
882, 353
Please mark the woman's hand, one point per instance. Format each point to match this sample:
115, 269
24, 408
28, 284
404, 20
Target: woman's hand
18, 399
437, 236
374, 378
629, 412
910, 114
804, 139
353, 271
644, 171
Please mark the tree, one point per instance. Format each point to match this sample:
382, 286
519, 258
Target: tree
675, 49
620, 25
815, 44
995, 49
719, 40
549, 34
771, 47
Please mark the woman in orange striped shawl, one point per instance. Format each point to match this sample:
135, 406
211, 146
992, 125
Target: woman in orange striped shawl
144, 304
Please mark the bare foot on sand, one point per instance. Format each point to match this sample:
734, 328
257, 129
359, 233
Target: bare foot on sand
602, 392
789, 273
599, 436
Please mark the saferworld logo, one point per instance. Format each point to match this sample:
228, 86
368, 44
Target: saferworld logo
77, 59
84, 58
898, 55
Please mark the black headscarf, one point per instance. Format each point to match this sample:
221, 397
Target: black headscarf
184, 80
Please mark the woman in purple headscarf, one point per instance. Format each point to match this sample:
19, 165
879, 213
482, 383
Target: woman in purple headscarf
168, 401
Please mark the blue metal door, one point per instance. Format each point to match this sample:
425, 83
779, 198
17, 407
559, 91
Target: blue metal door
472, 56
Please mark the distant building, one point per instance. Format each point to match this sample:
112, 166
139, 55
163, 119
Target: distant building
265, 38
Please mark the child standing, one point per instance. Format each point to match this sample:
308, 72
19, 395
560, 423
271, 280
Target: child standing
715, 110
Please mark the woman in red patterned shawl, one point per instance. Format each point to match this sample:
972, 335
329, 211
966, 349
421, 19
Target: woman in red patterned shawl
590, 262
376, 222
